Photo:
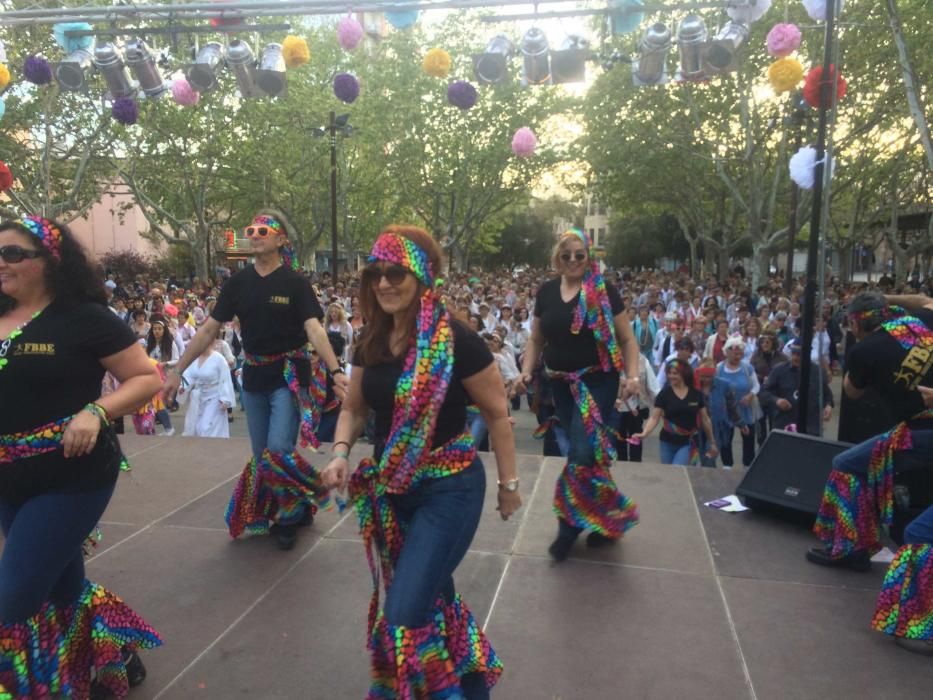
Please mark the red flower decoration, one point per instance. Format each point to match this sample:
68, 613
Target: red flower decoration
6, 177
811, 86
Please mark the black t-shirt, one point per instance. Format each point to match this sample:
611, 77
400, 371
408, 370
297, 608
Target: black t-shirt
471, 355
878, 361
682, 412
54, 371
272, 312
565, 351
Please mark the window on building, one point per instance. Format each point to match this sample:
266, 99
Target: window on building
600, 235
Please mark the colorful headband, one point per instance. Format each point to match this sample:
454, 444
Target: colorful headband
576, 233
269, 222
48, 234
393, 248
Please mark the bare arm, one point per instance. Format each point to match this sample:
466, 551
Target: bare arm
708, 428
350, 425
487, 391
533, 349
629, 346
651, 423
195, 348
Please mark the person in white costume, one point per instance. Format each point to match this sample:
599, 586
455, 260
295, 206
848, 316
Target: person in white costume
208, 391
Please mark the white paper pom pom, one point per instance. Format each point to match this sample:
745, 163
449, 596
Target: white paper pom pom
817, 8
803, 167
751, 13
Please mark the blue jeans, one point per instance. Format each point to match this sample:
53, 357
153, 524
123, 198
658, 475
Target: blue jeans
43, 558
439, 519
328, 425
272, 418
855, 460
675, 454
604, 387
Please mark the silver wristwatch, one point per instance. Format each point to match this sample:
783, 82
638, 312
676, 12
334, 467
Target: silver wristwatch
510, 485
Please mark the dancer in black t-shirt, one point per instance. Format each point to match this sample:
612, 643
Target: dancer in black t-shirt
60, 634
283, 391
580, 325
894, 355
419, 498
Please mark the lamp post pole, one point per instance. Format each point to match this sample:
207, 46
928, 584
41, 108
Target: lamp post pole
332, 130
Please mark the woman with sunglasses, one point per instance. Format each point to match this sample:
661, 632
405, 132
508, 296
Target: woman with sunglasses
60, 634
283, 392
419, 498
581, 325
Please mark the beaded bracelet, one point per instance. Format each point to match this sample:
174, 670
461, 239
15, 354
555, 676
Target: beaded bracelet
99, 411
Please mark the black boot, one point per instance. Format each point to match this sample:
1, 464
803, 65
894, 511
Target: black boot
307, 519
135, 675
594, 539
285, 535
566, 536
858, 560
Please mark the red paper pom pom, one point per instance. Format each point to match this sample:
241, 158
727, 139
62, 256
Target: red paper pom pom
6, 177
811, 86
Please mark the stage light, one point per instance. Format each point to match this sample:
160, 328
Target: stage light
651, 66
720, 55
536, 69
691, 39
271, 74
71, 73
202, 75
568, 64
143, 64
109, 61
491, 66
242, 62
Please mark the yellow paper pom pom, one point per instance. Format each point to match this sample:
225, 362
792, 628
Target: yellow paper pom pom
4, 76
436, 63
785, 74
295, 51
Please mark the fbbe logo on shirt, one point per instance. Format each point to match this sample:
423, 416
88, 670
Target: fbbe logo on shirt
35, 349
278, 300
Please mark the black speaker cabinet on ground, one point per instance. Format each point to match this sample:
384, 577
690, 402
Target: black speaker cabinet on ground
788, 475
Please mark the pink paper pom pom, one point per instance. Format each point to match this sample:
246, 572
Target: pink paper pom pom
349, 33
783, 39
524, 142
183, 93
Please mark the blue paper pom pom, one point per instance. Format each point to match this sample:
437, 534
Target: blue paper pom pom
72, 43
402, 19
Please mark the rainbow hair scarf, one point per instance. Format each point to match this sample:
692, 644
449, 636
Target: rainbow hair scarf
895, 321
286, 251
594, 309
48, 234
427, 370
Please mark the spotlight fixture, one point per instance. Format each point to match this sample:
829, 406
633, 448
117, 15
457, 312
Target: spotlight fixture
720, 52
241, 61
109, 61
271, 74
202, 74
568, 64
491, 66
143, 64
651, 66
72, 73
536, 69
691, 39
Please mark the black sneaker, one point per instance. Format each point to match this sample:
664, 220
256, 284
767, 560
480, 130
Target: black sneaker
859, 560
917, 646
135, 671
285, 535
594, 539
307, 519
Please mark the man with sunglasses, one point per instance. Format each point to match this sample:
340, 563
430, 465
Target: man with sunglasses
278, 313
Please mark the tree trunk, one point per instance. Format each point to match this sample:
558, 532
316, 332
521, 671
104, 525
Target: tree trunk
693, 257
845, 263
723, 264
761, 269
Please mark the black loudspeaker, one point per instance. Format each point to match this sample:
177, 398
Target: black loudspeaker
789, 473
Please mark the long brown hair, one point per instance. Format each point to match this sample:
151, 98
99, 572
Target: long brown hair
374, 346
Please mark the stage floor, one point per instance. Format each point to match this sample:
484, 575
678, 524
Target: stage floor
693, 603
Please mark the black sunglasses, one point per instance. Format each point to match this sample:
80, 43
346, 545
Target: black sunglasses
16, 254
394, 274
579, 256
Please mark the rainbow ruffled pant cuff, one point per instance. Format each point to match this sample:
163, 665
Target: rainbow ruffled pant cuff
848, 519
905, 605
587, 497
52, 654
277, 487
427, 662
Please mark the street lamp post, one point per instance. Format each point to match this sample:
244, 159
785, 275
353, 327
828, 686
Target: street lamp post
336, 124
